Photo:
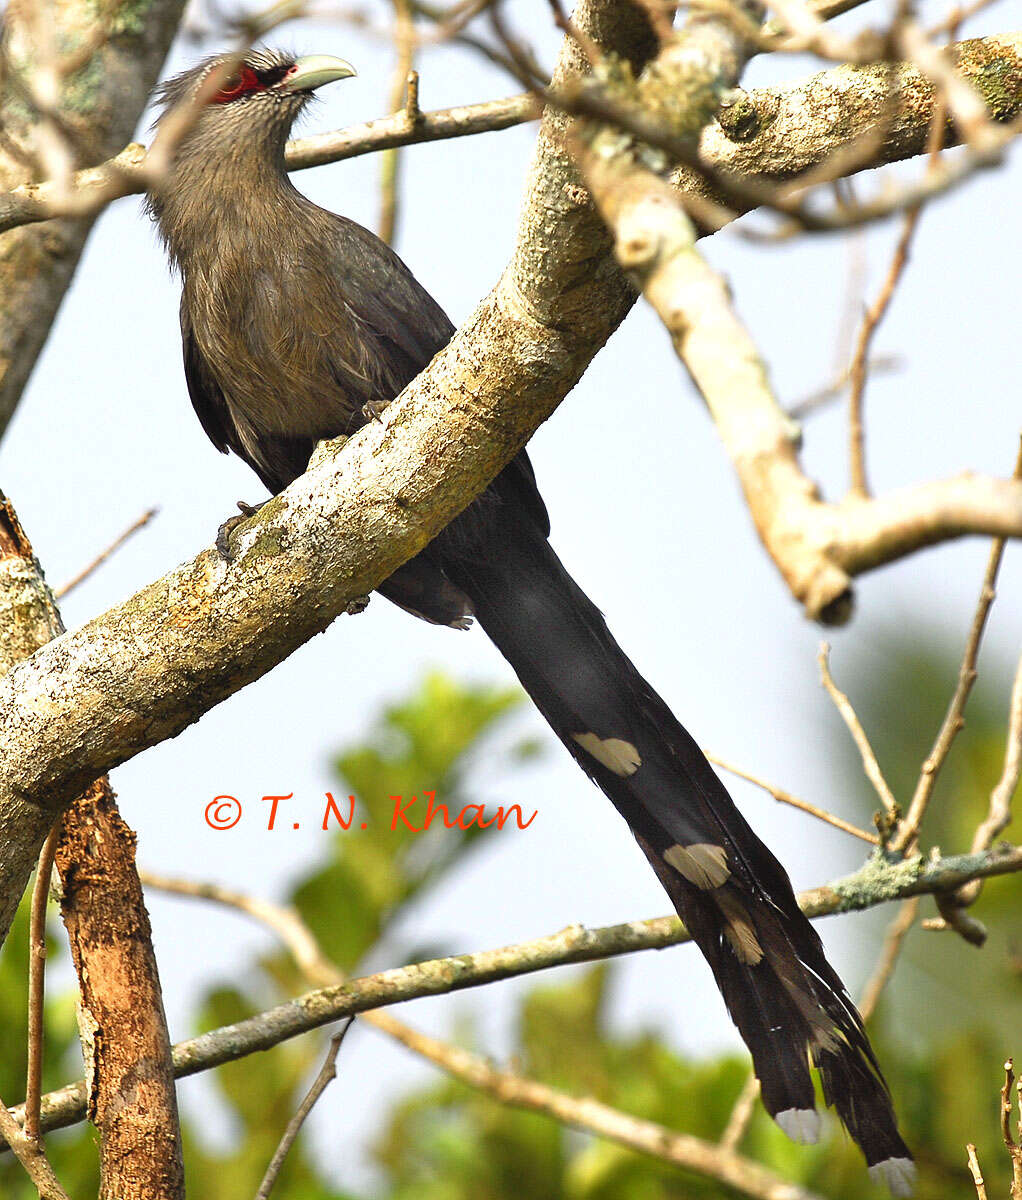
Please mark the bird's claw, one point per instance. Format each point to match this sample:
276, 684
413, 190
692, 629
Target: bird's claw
373, 410
223, 536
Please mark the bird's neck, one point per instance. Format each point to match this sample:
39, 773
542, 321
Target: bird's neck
213, 209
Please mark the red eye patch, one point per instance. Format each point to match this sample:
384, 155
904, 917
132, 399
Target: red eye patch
243, 81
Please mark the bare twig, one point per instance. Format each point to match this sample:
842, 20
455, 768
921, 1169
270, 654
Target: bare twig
100, 559
807, 32
977, 1174
588, 46
879, 364
1011, 1142
857, 371
31, 1157
855, 283
869, 760
518, 57
784, 797
37, 983
284, 920
876, 313
404, 96
741, 1114
400, 130
999, 816
327, 1074
906, 835
947, 177
894, 940
957, 17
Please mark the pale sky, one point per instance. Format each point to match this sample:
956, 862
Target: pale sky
646, 513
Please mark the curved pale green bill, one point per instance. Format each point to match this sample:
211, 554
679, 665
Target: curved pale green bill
315, 70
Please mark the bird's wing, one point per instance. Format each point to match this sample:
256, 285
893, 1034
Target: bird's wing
411, 328
385, 297
206, 396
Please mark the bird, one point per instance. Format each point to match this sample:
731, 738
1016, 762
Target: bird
300, 325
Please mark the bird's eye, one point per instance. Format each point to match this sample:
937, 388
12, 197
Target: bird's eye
273, 75
240, 83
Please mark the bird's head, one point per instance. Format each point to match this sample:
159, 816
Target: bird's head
253, 105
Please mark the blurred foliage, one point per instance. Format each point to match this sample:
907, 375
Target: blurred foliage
942, 1031
426, 741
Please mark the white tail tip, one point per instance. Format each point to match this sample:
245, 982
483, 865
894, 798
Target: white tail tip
899, 1174
802, 1125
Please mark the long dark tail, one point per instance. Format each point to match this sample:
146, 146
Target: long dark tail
733, 895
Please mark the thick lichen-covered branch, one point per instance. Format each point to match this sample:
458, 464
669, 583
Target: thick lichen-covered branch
780, 132
877, 882
28, 620
817, 546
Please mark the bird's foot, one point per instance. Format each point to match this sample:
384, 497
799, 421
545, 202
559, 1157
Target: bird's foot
223, 537
356, 606
374, 409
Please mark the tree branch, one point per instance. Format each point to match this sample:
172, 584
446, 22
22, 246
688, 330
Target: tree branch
327, 1074
878, 881
785, 797
818, 547
37, 985
28, 1153
781, 132
870, 766
713, 1161
133, 1103
101, 103
667, 1145
773, 133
